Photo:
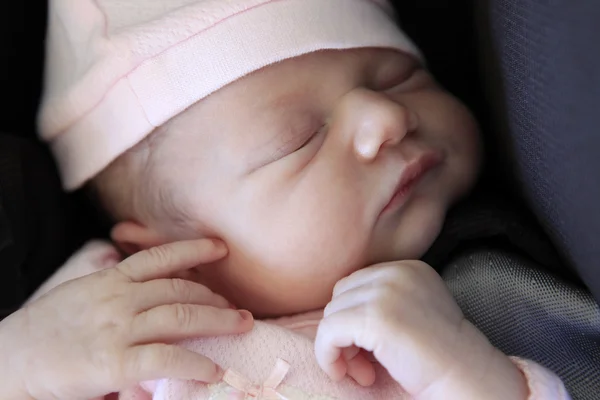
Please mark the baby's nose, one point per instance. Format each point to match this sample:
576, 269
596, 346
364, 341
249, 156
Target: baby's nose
379, 122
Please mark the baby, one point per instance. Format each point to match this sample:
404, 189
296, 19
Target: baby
308, 136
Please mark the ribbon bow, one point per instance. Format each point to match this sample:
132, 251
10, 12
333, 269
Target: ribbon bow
266, 391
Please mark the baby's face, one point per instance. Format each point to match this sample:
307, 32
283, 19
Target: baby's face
316, 167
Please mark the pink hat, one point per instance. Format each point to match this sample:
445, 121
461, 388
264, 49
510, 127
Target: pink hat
117, 69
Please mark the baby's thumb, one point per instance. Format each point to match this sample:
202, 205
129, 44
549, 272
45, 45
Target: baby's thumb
359, 367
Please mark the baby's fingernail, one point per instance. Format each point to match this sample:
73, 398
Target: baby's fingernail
110, 260
219, 372
219, 245
246, 315
232, 306
217, 375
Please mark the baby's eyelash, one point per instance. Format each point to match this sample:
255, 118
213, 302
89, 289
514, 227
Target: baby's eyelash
399, 79
311, 137
292, 142
418, 80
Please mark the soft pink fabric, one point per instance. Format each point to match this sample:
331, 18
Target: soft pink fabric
281, 351
117, 69
273, 362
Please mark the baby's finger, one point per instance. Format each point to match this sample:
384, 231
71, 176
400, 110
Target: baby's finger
351, 298
160, 262
339, 331
350, 352
357, 279
361, 369
171, 323
162, 361
175, 291
358, 367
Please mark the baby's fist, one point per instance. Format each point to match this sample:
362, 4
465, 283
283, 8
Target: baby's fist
404, 314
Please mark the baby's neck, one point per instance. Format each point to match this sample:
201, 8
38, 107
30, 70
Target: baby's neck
303, 323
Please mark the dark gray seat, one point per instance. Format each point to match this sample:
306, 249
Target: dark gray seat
548, 59
526, 311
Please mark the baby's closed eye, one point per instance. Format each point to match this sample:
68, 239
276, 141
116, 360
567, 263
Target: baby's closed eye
297, 136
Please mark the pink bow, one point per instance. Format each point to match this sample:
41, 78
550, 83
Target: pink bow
266, 391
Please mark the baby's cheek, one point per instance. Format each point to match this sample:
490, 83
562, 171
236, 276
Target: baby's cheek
287, 255
286, 275
322, 245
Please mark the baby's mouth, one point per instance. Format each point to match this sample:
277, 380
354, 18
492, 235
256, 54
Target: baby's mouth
410, 177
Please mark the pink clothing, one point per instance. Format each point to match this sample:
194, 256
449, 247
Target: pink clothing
117, 69
275, 361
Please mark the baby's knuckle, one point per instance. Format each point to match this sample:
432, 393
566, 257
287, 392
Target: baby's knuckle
141, 360
390, 273
159, 256
181, 287
165, 356
383, 292
326, 327
340, 284
132, 365
416, 267
374, 310
390, 285
407, 274
183, 315
383, 304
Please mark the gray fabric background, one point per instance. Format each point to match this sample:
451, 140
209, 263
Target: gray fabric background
527, 312
548, 56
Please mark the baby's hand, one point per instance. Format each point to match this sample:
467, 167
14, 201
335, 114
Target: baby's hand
112, 329
404, 314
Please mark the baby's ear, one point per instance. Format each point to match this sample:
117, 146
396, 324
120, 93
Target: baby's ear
132, 237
